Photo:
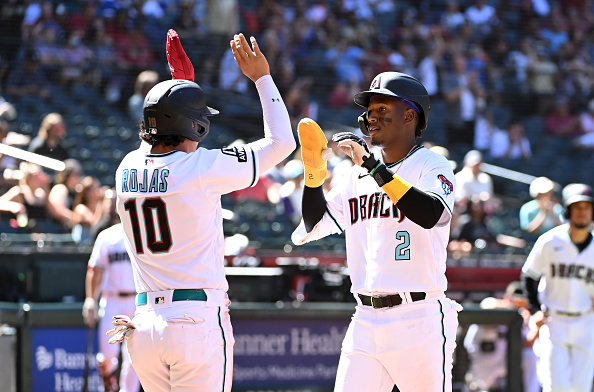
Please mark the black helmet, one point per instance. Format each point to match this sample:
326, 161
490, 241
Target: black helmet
397, 84
177, 107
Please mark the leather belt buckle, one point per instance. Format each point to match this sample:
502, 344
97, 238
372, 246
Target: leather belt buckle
376, 301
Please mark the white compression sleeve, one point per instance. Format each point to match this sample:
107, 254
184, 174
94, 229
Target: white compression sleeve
278, 141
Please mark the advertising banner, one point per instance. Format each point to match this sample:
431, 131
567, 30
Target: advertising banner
59, 360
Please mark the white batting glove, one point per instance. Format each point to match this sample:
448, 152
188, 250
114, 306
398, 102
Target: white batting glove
89, 312
352, 145
123, 329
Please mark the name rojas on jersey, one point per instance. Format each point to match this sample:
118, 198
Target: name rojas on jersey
132, 182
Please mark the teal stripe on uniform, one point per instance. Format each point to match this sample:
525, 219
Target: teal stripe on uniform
224, 350
334, 220
443, 350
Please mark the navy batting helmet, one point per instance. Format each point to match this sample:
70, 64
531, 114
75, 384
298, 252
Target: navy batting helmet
573, 193
177, 107
399, 85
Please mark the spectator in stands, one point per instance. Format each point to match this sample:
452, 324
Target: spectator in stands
61, 196
291, 191
463, 92
586, 140
485, 129
144, 82
543, 212
49, 139
345, 60
541, 76
12, 13
482, 16
451, 18
26, 79
561, 122
471, 180
512, 142
48, 53
475, 228
230, 76
7, 111
78, 62
299, 103
89, 208
487, 346
27, 201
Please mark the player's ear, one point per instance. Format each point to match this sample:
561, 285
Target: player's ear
409, 116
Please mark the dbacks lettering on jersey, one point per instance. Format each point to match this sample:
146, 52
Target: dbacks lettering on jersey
158, 182
117, 257
446, 184
238, 152
573, 271
376, 205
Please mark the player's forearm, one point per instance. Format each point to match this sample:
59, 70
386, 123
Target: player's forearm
278, 141
313, 206
421, 208
531, 290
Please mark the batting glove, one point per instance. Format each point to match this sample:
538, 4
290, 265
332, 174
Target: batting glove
179, 64
89, 312
123, 329
314, 152
353, 146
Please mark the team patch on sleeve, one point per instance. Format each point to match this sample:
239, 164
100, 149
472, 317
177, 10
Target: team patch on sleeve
446, 184
238, 152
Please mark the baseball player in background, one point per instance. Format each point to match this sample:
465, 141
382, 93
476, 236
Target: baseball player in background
169, 201
559, 281
109, 277
395, 210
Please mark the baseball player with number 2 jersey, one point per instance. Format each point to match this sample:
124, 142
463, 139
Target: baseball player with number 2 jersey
395, 211
169, 201
559, 281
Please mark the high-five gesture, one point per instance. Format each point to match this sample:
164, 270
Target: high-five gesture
251, 61
179, 64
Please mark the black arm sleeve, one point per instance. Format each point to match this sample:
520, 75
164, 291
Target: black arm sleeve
530, 287
421, 208
313, 206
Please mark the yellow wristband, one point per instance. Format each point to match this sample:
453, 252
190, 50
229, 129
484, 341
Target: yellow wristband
314, 177
396, 188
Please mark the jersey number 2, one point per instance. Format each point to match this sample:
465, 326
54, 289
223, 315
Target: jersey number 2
163, 244
402, 250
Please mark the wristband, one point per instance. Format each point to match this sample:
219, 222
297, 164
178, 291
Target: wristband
370, 162
396, 188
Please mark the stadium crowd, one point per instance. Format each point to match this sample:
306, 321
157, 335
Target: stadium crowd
510, 81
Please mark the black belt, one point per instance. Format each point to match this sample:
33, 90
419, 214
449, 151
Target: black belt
178, 295
389, 300
570, 314
126, 294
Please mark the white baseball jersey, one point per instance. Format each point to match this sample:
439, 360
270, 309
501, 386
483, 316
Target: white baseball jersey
170, 207
110, 254
386, 252
566, 275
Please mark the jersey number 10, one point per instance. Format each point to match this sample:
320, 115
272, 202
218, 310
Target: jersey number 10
156, 245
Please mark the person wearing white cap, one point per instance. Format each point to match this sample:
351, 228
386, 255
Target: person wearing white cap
543, 212
472, 180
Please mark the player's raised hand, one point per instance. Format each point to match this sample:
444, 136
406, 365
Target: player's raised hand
314, 152
352, 145
179, 64
250, 59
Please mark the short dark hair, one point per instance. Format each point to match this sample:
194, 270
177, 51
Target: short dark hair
153, 140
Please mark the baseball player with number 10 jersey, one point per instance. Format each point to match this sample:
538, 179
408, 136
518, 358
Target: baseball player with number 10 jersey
169, 201
395, 211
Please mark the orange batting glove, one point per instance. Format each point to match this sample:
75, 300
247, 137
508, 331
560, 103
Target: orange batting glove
314, 152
